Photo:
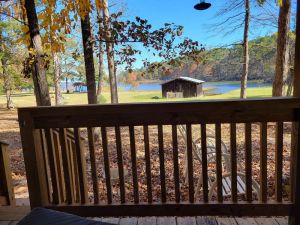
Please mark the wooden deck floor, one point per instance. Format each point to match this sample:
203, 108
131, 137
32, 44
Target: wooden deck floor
185, 221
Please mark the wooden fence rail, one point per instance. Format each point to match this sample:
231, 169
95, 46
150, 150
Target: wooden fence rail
6, 187
74, 173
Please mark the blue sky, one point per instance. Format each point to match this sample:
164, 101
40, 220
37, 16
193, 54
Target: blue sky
200, 25
196, 23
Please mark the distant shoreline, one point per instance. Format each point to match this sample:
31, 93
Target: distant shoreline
209, 82
236, 82
149, 82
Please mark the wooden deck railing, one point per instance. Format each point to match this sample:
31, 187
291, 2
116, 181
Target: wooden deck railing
76, 176
6, 187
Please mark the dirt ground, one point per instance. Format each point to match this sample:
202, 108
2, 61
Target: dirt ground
9, 132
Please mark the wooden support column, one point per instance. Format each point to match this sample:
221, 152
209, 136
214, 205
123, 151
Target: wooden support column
34, 163
294, 219
6, 187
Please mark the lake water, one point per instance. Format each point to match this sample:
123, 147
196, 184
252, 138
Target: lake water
218, 88
222, 88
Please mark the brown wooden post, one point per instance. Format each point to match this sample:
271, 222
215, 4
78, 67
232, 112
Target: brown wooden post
6, 187
294, 219
34, 163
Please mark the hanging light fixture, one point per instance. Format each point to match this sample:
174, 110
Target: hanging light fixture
202, 5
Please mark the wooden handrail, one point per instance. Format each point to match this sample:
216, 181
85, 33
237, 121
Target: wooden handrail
260, 110
64, 186
6, 187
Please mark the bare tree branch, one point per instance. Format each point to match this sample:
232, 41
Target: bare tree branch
10, 16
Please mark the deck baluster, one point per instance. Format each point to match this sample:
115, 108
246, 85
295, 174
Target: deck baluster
53, 167
46, 164
278, 161
219, 162
77, 182
248, 161
72, 161
106, 164
204, 162
133, 163
190, 162
91, 131
263, 162
81, 167
58, 159
176, 163
233, 162
120, 163
148, 165
66, 166
162, 163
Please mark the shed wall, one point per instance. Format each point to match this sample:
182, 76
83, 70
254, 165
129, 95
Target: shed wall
189, 89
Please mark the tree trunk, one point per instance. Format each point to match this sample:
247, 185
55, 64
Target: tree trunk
282, 58
245, 51
290, 78
6, 76
100, 57
101, 72
115, 72
7, 85
67, 85
89, 59
110, 54
289, 83
39, 68
296, 77
57, 75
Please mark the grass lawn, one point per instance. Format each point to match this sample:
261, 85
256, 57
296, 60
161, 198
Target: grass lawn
235, 82
27, 99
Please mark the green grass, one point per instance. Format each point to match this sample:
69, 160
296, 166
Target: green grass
235, 82
251, 93
27, 99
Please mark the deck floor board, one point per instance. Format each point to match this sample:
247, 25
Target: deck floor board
200, 220
166, 221
266, 221
111, 220
245, 221
282, 220
226, 221
128, 221
147, 221
186, 220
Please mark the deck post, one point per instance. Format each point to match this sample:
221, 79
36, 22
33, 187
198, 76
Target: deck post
34, 162
294, 218
6, 187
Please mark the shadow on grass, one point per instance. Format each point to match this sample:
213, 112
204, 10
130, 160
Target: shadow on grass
22, 94
18, 95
